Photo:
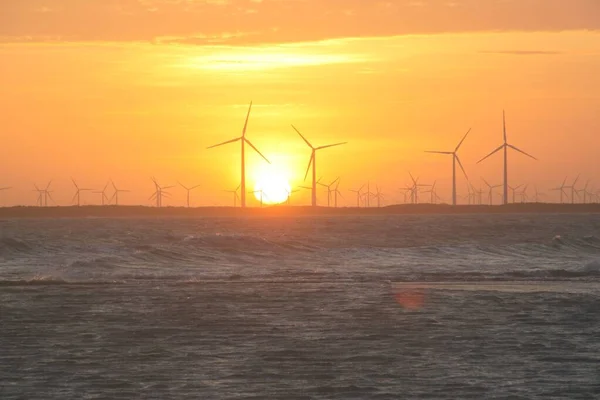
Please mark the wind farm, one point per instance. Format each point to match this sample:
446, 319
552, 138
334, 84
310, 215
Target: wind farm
414, 195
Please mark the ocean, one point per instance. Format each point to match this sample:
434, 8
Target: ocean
327, 307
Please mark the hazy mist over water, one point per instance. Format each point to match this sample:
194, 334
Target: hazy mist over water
386, 307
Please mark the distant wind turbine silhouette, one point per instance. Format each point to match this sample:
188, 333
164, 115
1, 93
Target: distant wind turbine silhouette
505, 146
78, 191
243, 141
236, 196
43, 195
491, 191
378, 196
115, 195
574, 191
188, 190
313, 162
159, 193
329, 190
562, 191
454, 160
358, 195
105, 198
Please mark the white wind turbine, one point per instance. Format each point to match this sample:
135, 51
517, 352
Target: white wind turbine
188, 190
378, 196
491, 191
78, 191
243, 141
455, 159
337, 192
313, 162
43, 195
505, 146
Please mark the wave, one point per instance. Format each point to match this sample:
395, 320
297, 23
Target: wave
10, 246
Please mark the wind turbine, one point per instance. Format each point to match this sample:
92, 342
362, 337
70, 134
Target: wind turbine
313, 162
188, 190
261, 195
289, 192
78, 191
43, 195
358, 195
105, 198
514, 192
236, 196
116, 193
561, 189
243, 141
329, 191
336, 191
523, 194
415, 189
585, 191
491, 191
505, 146
454, 160
573, 190
379, 196
159, 193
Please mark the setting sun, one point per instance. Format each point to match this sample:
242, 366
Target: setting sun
272, 186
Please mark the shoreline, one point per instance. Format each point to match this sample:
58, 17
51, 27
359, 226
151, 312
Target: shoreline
291, 211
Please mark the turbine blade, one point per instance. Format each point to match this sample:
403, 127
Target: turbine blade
181, 184
521, 151
498, 149
438, 152
483, 179
463, 139
48, 187
330, 145
302, 136
74, 183
461, 166
255, 149
309, 164
227, 142
247, 117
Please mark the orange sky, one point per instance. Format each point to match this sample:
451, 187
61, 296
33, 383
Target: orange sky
133, 88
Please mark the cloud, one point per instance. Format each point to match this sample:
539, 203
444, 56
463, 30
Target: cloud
278, 21
522, 52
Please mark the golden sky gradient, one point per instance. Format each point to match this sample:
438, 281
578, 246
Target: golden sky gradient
136, 88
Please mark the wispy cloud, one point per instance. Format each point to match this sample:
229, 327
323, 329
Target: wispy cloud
278, 21
522, 52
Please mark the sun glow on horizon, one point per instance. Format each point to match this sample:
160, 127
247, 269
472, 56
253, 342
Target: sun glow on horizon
272, 186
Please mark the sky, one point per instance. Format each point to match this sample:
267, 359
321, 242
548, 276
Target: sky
129, 89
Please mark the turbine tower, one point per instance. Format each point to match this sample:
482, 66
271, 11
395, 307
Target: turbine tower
561, 189
236, 196
159, 193
116, 193
329, 190
505, 147
313, 162
243, 141
188, 190
574, 191
454, 160
358, 195
105, 198
43, 195
78, 191
491, 191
